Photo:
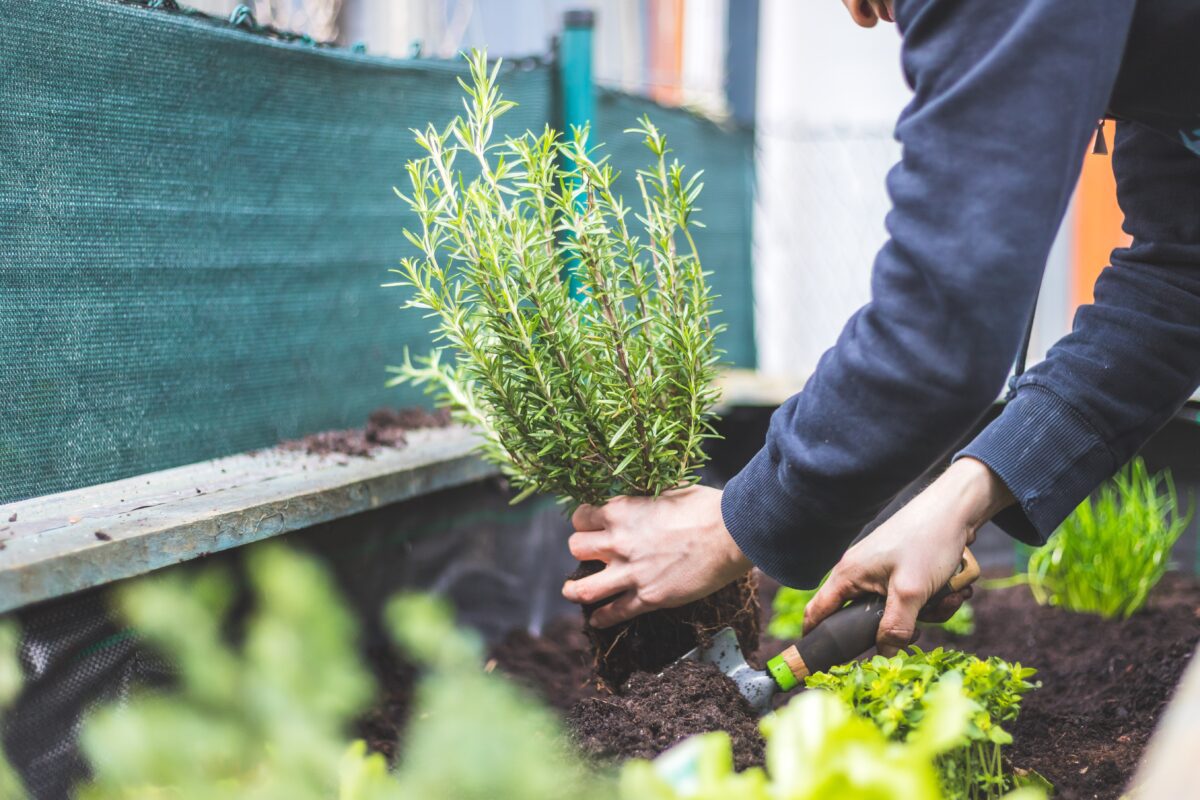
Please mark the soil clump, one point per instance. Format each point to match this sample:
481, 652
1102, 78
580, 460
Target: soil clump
653, 712
386, 427
557, 666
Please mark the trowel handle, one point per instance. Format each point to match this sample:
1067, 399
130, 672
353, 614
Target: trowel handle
846, 633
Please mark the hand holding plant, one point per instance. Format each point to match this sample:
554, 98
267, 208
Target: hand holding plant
579, 340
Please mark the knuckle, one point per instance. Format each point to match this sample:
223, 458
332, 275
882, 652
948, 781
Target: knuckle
905, 589
622, 544
652, 596
897, 634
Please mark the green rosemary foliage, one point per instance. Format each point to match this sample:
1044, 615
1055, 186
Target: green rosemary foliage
605, 390
1113, 549
892, 693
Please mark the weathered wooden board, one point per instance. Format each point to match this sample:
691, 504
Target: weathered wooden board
1169, 767
62, 543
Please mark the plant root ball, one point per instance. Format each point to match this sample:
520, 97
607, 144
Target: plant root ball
653, 641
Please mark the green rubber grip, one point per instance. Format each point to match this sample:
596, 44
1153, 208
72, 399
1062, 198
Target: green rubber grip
782, 674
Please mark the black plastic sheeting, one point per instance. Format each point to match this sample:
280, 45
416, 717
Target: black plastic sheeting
501, 566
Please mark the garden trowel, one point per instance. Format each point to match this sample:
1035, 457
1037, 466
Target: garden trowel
841, 637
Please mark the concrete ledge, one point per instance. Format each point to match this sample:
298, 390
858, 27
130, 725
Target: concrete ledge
62, 543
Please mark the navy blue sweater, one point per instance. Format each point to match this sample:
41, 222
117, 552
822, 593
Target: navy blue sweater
1006, 98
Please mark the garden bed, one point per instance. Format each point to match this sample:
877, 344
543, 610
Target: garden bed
1104, 685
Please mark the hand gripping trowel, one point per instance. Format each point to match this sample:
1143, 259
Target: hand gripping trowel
841, 637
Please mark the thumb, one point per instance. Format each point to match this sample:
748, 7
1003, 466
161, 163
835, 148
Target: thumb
899, 623
832, 595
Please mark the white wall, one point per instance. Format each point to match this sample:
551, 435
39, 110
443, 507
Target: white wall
829, 94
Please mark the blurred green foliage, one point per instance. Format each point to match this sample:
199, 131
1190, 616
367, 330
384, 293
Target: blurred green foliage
1113, 549
10, 685
893, 693
268, 717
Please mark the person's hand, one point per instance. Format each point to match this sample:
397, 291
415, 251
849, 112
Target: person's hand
658, 552
912, 555
867, 13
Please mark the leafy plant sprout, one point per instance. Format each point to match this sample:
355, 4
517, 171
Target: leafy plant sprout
1113, 549
892, 692
587, 393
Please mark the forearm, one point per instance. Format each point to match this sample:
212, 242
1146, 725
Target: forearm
1130, 363
977, 200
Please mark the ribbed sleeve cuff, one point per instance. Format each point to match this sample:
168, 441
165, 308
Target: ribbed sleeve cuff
768, 524
1048, 456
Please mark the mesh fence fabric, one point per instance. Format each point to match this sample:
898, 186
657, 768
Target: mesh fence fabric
194, 223
727, 158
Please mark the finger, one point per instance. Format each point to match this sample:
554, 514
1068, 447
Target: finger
588, 518
604, 584
861, 12
828, 599
899, 621
591, 546
945, 608
882, 10
625, 607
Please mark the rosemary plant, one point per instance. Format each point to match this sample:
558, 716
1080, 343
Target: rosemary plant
1113, 549
585, 388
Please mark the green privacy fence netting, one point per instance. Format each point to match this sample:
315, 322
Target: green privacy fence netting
194, 223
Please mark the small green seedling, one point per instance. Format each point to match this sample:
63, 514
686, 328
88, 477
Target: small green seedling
892, 692
1113, 549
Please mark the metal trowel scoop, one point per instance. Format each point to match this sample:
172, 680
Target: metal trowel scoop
842, 636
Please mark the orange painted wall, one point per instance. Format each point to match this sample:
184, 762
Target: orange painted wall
1097, 223
665, 18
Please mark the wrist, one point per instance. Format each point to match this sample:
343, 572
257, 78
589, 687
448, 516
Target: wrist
980, 491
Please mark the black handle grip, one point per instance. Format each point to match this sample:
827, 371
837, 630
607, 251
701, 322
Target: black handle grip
851, 631
843, 635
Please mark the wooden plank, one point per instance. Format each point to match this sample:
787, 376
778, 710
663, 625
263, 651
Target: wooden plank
1169, 767
75, 540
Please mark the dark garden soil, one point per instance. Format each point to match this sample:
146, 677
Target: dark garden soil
653, 712
1104, 683
383, 726
653, 641
386, 427
556, 665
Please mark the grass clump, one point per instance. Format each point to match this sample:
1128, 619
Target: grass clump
893, 692
1113, 549
587, 387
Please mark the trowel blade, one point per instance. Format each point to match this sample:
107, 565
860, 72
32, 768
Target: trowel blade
725, 653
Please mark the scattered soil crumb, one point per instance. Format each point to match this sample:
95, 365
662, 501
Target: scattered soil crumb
102, 536
386, 427
653, 712
13, 518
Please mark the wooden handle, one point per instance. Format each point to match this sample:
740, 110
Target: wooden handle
968, 572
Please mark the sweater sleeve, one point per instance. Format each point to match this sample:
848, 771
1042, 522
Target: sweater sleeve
1131, 360
1006, 96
